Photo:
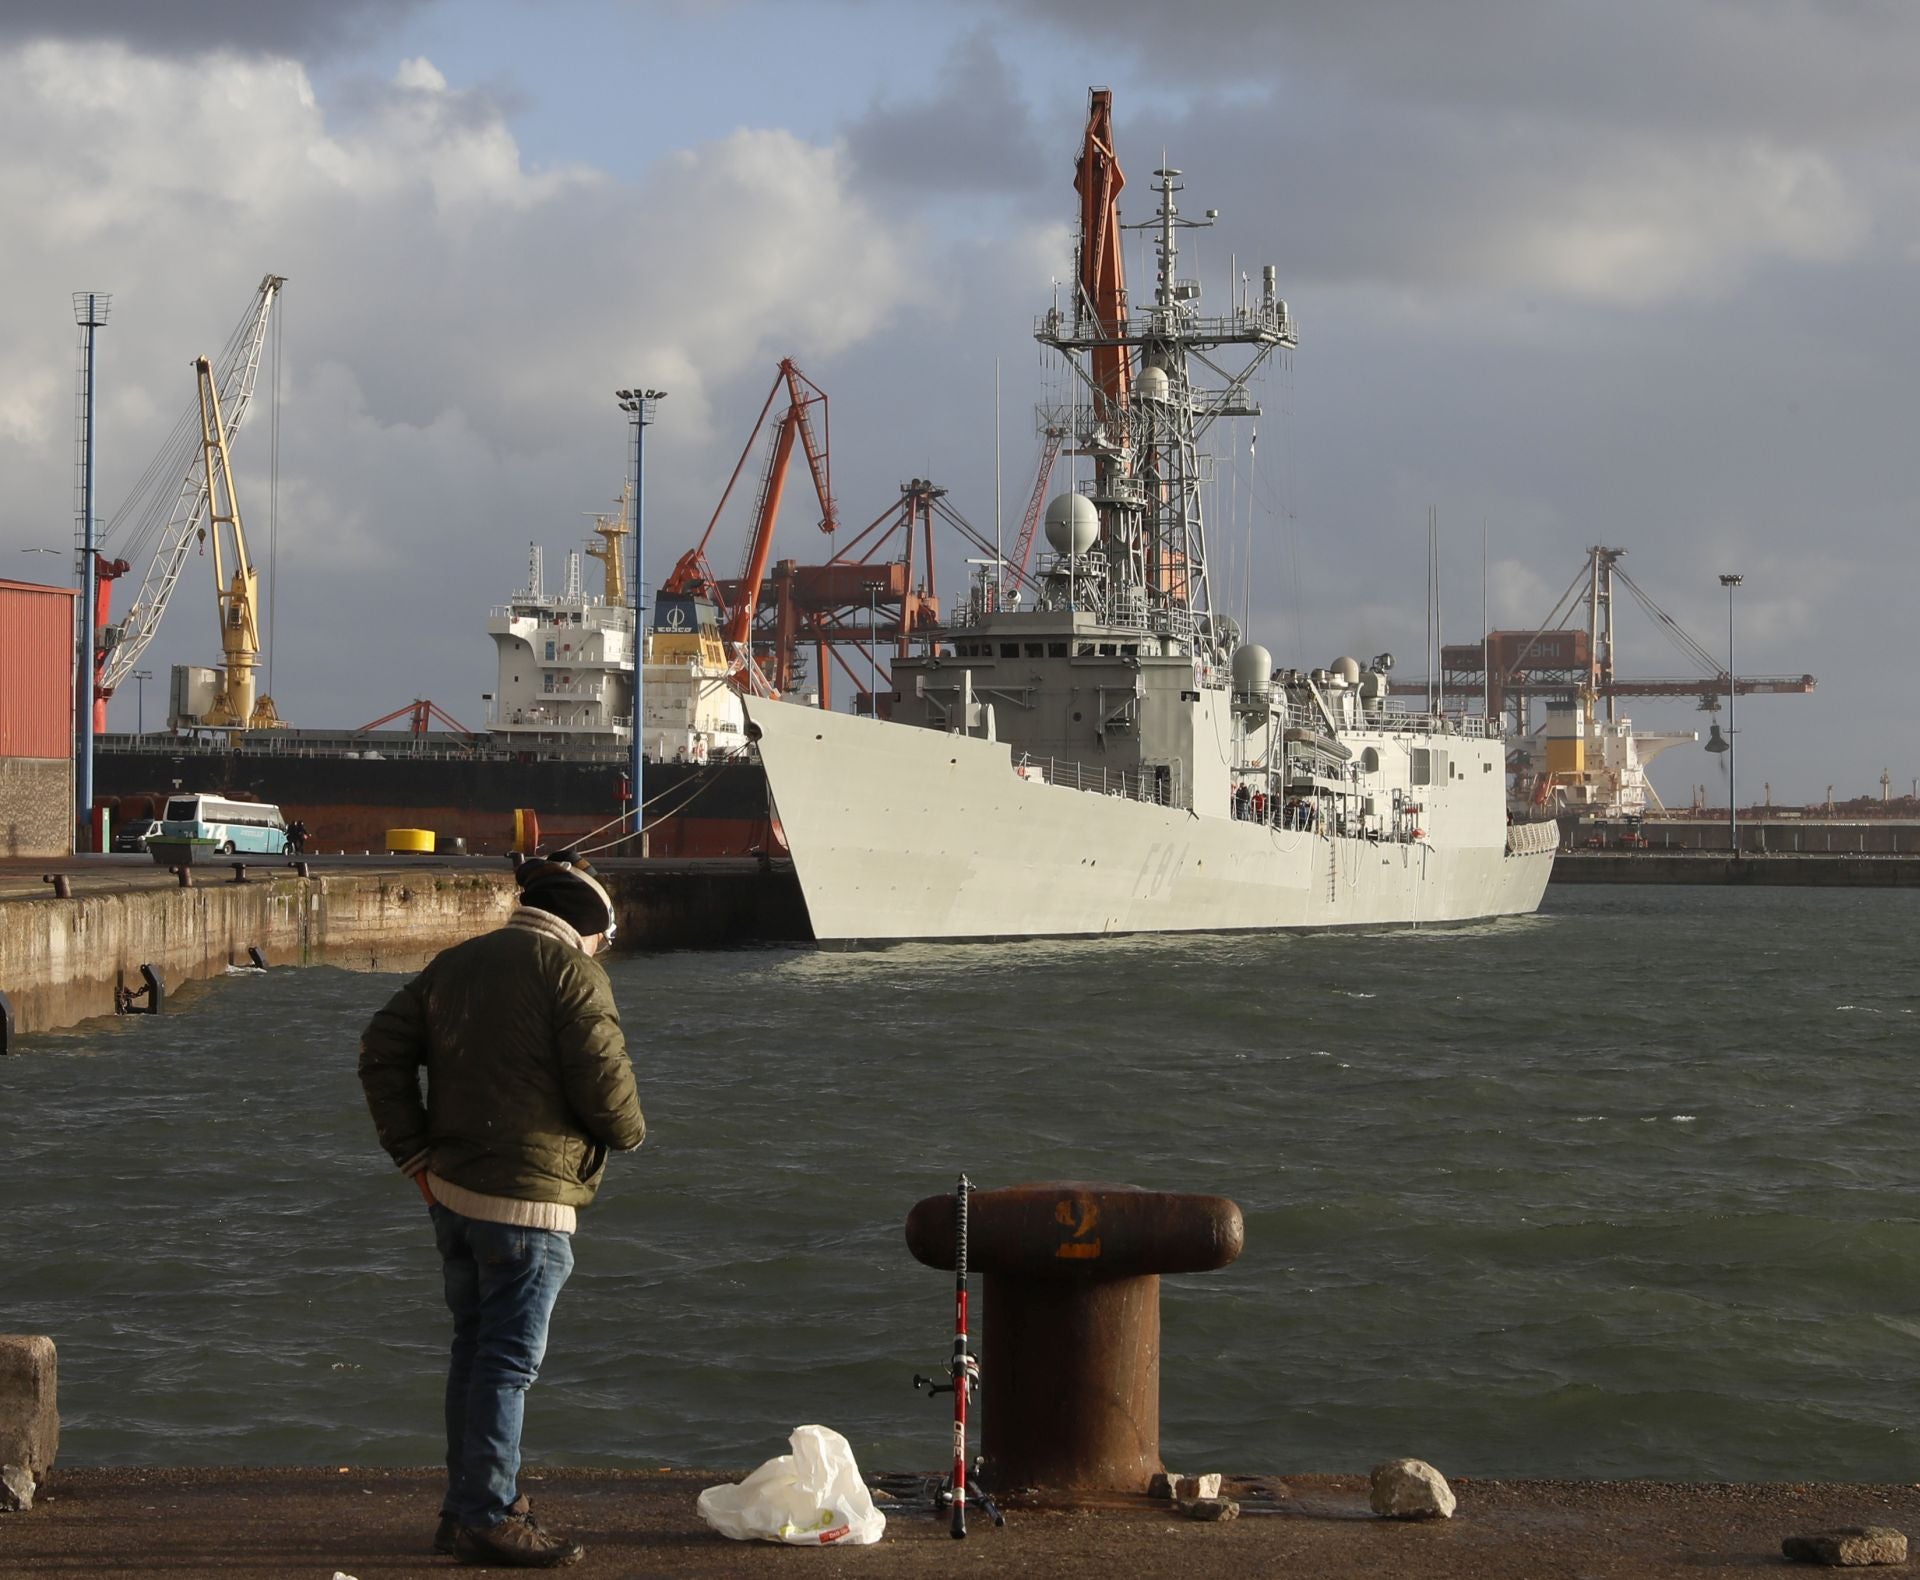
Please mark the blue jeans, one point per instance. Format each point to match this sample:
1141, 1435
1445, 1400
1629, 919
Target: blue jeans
501, 1283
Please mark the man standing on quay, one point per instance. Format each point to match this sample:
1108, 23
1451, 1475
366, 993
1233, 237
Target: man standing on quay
528, 1085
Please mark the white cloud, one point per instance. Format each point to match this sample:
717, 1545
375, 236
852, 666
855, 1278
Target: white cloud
454, 324
1651, 223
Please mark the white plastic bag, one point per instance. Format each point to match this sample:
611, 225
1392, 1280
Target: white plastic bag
813, 1497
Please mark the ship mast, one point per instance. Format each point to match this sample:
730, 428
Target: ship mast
1152, 387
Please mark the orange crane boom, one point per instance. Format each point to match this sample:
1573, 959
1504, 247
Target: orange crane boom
1052, 439
694, 574
1103, 277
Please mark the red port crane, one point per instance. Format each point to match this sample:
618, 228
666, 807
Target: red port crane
694, 574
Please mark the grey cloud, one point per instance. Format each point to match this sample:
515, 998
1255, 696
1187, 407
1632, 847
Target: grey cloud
971, 133
1794, 67
272, 27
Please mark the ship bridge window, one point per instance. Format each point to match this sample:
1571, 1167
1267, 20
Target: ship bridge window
1370, 761
1009, 649
1131, 650
1420, 761
1109, 650
1086, 650
1056, 650
1036, 650
549, 649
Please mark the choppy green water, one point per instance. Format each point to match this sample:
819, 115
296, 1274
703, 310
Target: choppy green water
1626, 1188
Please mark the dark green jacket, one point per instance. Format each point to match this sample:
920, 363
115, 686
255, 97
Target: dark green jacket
528, 1081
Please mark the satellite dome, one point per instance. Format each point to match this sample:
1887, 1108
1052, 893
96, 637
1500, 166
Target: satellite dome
1252, 669
1073, 525
1152, 384
1348, 669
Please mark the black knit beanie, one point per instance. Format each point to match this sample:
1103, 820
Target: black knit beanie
568, 890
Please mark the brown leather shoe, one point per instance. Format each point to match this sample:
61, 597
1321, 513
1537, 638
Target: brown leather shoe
516, 1542
449, 1528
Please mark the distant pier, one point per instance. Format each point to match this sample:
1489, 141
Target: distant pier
1775, 851
1717, 867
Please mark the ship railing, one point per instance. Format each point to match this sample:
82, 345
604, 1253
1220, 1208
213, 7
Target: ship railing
1158, 784
1532, 839
1396, 719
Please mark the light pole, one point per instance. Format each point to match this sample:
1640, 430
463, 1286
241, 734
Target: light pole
1733, 690
90, 312
140, 678
638, 405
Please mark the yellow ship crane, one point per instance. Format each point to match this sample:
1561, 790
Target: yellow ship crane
234, 706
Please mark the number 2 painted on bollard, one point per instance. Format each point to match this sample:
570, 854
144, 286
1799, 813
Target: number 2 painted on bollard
1082, 1216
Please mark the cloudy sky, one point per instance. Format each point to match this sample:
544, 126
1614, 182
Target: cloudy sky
1640, 274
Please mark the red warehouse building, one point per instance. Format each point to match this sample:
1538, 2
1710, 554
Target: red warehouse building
36, 719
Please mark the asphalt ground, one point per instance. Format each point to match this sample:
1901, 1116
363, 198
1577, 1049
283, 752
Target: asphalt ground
282, 1523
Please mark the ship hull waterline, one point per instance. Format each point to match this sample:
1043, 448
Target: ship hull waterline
900, 834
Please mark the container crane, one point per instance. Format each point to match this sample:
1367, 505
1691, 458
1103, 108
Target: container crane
1564, 662
172, 516
234, 705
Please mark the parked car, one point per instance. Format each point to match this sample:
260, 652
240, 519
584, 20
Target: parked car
133, 836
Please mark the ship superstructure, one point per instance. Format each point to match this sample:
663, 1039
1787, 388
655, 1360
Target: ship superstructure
1103, 752
565, 678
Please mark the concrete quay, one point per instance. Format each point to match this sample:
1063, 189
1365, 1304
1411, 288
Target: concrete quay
65, 959
269, 1524
1762, 870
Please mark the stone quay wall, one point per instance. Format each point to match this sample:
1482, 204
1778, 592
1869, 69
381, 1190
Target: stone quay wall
1764, 871
62, 960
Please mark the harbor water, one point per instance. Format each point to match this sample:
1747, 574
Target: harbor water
1625, 1188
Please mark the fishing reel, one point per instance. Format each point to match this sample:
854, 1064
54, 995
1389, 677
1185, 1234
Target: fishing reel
934, 1387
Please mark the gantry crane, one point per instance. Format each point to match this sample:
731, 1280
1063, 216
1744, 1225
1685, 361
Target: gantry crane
172, 516
234, 705
1560, 662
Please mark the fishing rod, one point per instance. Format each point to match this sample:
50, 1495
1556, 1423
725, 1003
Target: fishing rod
964, 1372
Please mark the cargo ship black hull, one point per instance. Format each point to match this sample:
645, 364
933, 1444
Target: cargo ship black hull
350, 796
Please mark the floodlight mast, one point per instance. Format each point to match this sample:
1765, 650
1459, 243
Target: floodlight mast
638, 404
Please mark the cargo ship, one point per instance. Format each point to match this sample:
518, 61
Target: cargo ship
551, 767
1104, 753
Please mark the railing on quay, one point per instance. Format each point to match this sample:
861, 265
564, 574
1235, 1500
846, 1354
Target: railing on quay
374, 744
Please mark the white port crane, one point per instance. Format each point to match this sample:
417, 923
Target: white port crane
168, 516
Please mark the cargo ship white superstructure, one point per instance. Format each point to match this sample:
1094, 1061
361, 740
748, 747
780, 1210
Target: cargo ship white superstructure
1097, 751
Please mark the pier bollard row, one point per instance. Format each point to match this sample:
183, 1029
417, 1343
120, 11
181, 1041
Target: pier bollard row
1070, 1342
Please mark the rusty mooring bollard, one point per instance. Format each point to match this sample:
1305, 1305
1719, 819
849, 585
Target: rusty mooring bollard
1070, 1330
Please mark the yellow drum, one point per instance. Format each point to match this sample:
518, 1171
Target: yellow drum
409, 842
